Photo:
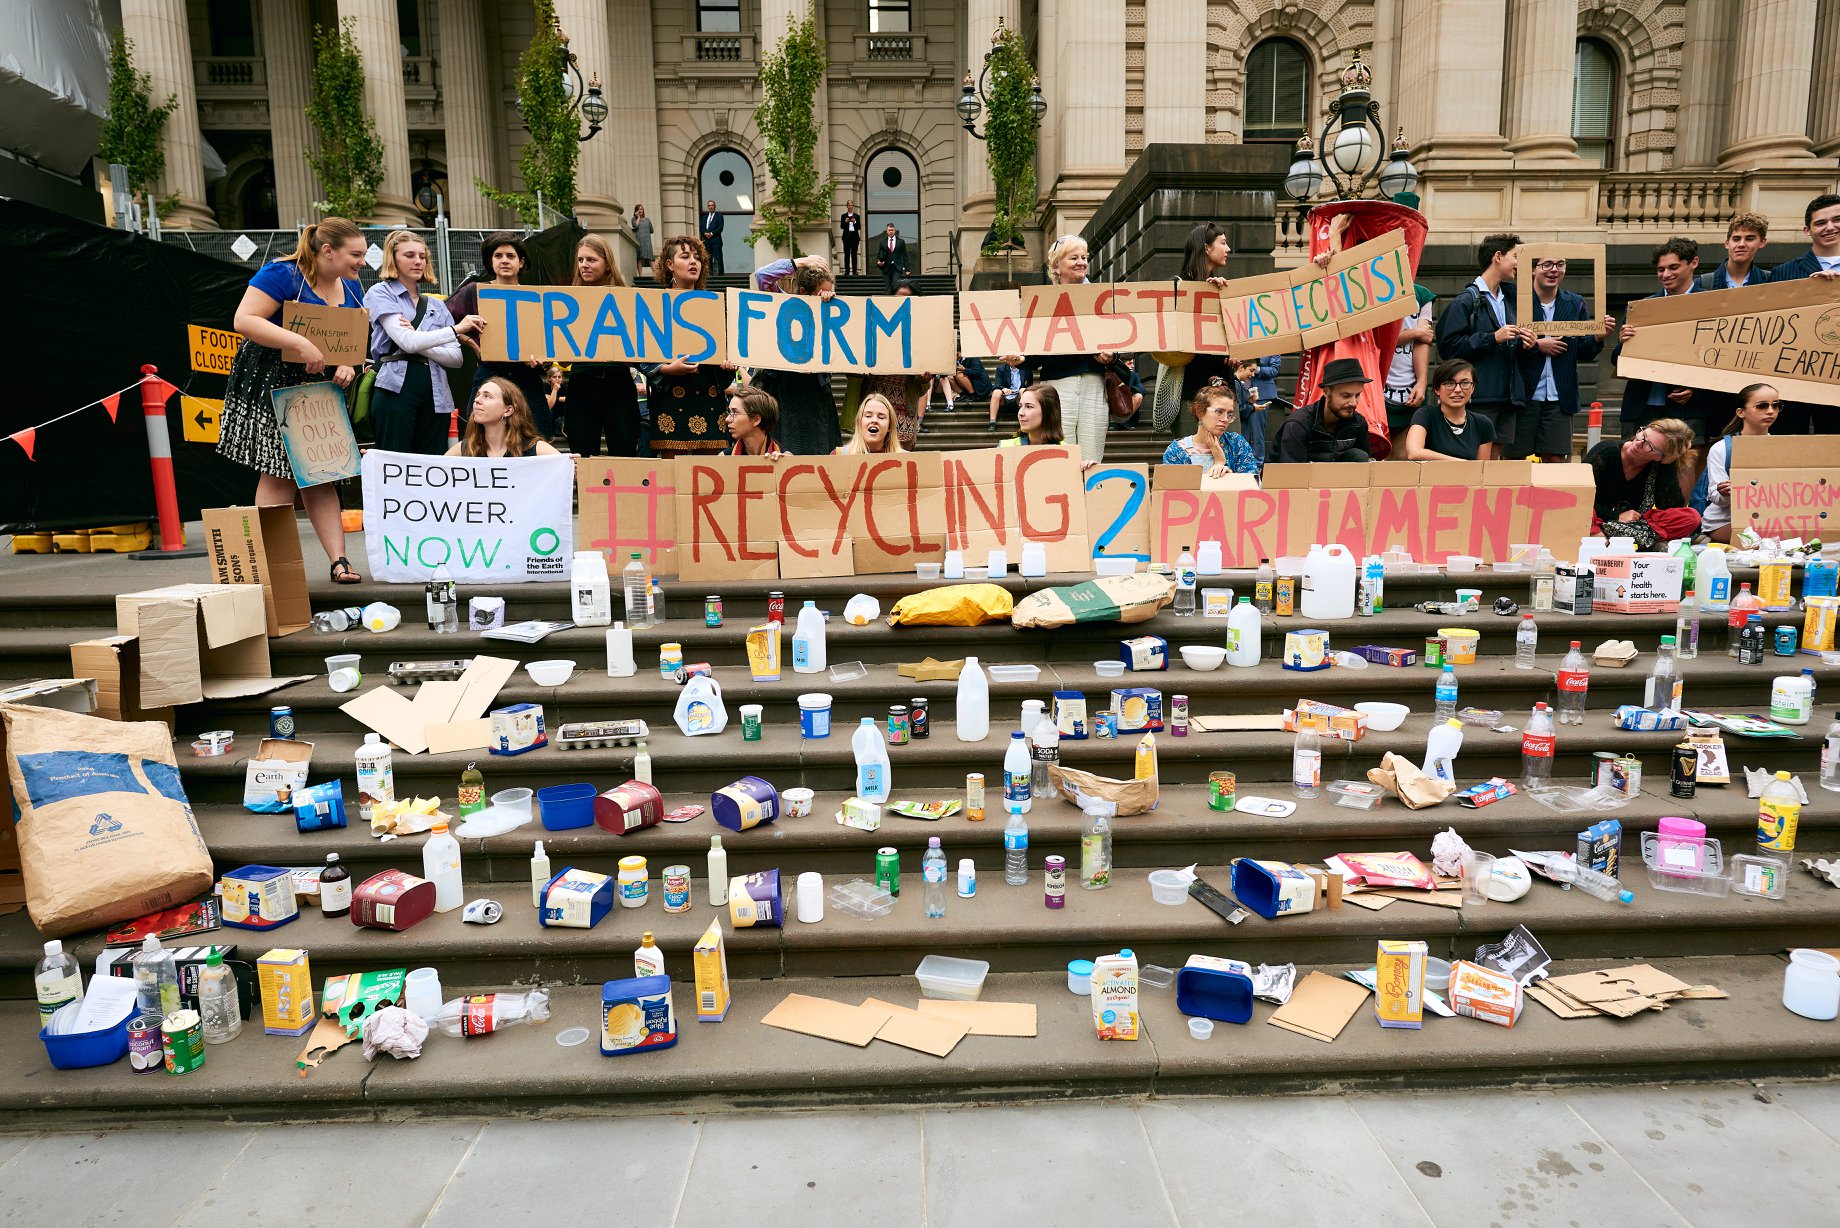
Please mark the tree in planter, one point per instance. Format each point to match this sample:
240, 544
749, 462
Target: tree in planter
547, 163
789, 81
131, 132
349, 157
1010, 135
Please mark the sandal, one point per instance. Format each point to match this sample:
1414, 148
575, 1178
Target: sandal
343, 572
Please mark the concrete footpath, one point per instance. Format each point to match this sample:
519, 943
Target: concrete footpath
1712, 1155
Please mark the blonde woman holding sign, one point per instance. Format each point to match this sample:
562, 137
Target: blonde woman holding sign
410, 405
1078, 378
324, 270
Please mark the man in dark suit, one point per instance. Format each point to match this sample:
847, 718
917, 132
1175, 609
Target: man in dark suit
1555, 379
712, 236
1821, 223
1745, 236
891, 257
1479, 327
852, 238
1706, 411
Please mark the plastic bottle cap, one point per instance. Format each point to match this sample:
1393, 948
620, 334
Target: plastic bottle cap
215, 959
647, 940
440, 827
371, 737
150, 943
54, 947
1454, 723
332, 858
539, 851
1667, 639
1782, 775
932, 842
715, 842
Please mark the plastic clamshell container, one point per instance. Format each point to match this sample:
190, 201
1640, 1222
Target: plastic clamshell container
1755, 874
845, 671
1167, 887
1688, 865
1013, 673
78, 1050
956, 980
1486, 718
1356, 794
566, 806
1109, 669
1211, 994
861, 898
1457, 563
1155, 976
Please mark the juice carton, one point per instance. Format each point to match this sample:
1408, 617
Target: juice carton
1114, 996
710, 961
1399, 998
1485, 994
287, 992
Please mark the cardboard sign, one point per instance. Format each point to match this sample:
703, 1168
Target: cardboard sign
602, 324
1786, 334
316, 433
1787, 486
1169, 317
1368, 285
880, 334
626, 505
261, 546
1118, 511
1000, 498
1533, 253
343, 334
504, 521
212, 349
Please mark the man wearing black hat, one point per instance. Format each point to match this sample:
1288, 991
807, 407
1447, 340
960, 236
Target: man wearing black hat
1331, 427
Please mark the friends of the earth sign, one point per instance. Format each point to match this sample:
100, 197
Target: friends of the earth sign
501, 521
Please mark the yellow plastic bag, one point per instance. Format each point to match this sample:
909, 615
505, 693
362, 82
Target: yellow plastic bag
955, 605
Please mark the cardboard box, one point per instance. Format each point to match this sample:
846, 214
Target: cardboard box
114, 662
261, 546
1399, 983
287, 992
1637, 583
710, 962
1485, 994
275, 773
198, 642
1329, 720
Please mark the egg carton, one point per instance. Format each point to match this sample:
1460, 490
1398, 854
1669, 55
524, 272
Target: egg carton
583, 735
409, 673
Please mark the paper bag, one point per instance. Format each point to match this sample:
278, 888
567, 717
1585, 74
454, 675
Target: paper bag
1120, 599
1131, 796
105, 832
1402, 778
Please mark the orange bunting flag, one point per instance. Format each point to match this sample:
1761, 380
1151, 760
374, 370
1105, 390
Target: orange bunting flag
112, 403
26, 439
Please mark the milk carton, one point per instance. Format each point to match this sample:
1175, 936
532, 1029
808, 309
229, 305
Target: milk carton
1399, 984
1114, 996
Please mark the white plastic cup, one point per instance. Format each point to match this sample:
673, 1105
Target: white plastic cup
1200, 1029
422, 993
1478, 868
811, 897
343, 680
344, 671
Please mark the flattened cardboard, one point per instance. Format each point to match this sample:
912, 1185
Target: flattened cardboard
434, 701
1118, 511
1786, 486
459, 735
261, 546
1621, 992
385, 710
480, 685
1557, 1002
793, 565
865, 334
1246, 723
912, 1030
985, 1018
1320, 1007
821, 1017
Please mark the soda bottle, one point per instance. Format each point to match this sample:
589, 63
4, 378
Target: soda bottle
1045, 753
1741, 608
1686, 629
1830, 757
1537, 746
1306, 764
933, 874
1018, 776
1016, 848
479, 1014
1185, 585
1446, 693
1663, 689
1526, 642
1574, 684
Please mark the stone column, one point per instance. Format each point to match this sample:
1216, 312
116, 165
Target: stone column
585, 22
467, 107
1175, 72
632, 117
1705, 66
287, 52
1771, 76
163, 50
1542, 54
379, 40
1450, 83
1824, 106
1090, 77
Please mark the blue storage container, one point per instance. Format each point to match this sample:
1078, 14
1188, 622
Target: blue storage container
82, 1049
1225, 996
563, 807
1272, 888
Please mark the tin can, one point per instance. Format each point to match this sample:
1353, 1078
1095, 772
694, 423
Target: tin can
1223, 790
281, 721
1054, 882
712, 610
670, 661
897, 724
1178, 716
776, 607
974, 796
916, 718
1785, 640
1683, 770
1435, 647
146, 1053
888, 870
1284, 595
1626, 775
182, 1042
1602, 766
1105, 725
677, 888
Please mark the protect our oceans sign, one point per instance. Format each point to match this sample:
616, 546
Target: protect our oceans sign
316, 433
504, 521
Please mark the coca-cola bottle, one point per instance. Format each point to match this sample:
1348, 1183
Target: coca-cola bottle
1537, 746
1574, 683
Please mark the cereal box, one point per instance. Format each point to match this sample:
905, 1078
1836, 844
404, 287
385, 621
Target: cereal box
1483, 993
1399, 984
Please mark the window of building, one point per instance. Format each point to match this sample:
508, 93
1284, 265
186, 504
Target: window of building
1277, 91
727, 178
891, 16
891, 193
409, 27
1594, 103
233, 28
718, 16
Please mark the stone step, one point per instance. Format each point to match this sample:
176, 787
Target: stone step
741, 1062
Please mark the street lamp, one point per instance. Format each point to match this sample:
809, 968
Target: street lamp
972, 98
586, 101
1351, 141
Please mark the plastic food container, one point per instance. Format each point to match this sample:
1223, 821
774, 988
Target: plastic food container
1200, 1029
1079, 977
1483, 718
1167, 887
1109, 669
1437, 975
1383, 718
1203, 657
861, 898
957, 980
1214, 994
926, 571
550, 673
514, 801
796, 803
565, 806
1013, 673
76, 1050
1462, 562
1356, 794
977, 573
1462, 644
1155, 976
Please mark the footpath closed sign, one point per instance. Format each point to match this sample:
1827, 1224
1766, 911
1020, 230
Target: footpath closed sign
212, 349
503, 521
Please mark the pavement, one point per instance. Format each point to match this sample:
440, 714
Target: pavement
1708, 1155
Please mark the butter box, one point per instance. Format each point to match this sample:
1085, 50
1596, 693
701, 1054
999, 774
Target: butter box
576, 899
709, 962
1485, 994
1144, 652
1399, 983
286, 981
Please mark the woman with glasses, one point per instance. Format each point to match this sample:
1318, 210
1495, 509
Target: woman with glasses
1638, 485
1447, 431
1215, 443
1758, 408
1078, 378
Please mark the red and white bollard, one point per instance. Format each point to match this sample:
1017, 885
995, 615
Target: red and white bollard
1594, 426
159, 450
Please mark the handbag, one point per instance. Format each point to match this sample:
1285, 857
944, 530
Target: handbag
1118, 396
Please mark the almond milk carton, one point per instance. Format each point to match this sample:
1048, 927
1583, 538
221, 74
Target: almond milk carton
1114, 996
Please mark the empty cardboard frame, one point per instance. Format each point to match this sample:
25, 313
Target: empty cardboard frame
1533, 253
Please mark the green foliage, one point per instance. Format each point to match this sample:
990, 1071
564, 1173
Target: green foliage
1010, 133
349, 159
547, 164
789, 83
131, 131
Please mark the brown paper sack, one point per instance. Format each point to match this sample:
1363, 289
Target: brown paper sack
1402, 778
1131, 796
1116, 599
105, 832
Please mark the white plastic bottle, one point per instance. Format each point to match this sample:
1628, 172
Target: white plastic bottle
1185, 585
1016, 848
376, 776
441, 866
58, 980
1306, 764
648, 960
1712, 581
808, 649
1441, 750
1538, 745
636, 583
539, 875
1830, 757
933, 876
443, 602
1018, 774
1574, 686
971, 719
718, 873
590, 589
642, 765
1446, 692
967, 878
620, 663
220, 1012
1526, 642
1045, 755
156, 979
872, 771
1244, 631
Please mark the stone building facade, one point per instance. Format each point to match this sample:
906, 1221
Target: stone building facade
1567, 119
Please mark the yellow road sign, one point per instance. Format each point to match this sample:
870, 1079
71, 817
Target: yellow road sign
213, 349
203, 418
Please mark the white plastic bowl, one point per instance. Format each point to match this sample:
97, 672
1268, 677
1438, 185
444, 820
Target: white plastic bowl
926, 571
550, 673
1437, 975
1458, 563
1203, 657
1383, 718
1168, 887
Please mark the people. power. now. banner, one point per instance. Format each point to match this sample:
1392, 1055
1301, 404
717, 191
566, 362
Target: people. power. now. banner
501, 521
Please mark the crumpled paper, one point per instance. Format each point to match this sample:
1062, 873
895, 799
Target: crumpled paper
1402, 779
395, 1031
405, 816
1447, 849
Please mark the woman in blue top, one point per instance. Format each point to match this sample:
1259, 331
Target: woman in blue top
410, 406
1216, 443
323, 270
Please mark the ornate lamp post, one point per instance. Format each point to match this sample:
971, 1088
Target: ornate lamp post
1350, 142
586, 101
973, 98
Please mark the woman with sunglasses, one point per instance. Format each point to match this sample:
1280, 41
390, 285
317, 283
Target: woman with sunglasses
1447, 431
1759, 405
1638, 485
1215, 443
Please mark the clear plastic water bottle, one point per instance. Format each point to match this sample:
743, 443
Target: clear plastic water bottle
1664, 684
156, 979
1574, 685
219, 1011
1096, 844
1538, 745
1526, 642
1306, 764
1592, 882
58, 980
1830, 757
443, 603
657, 608
636, 582
1446, 693
1045, 755
1016, 849
1686, 629
1185, 585
933, 875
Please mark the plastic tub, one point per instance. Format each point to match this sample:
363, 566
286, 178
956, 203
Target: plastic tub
1457, 563
78, 1050
550, 673
796, 803
926, 571
1079, 977
1383, 718
1461, 644
1168, 887
1204, 657
815, 715
1214, 994
1356, 794
956, 980
1437, 975
978, 574
1200, 1029
1109, 669
1013, 673
566, 806
1471, 598
514, 801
